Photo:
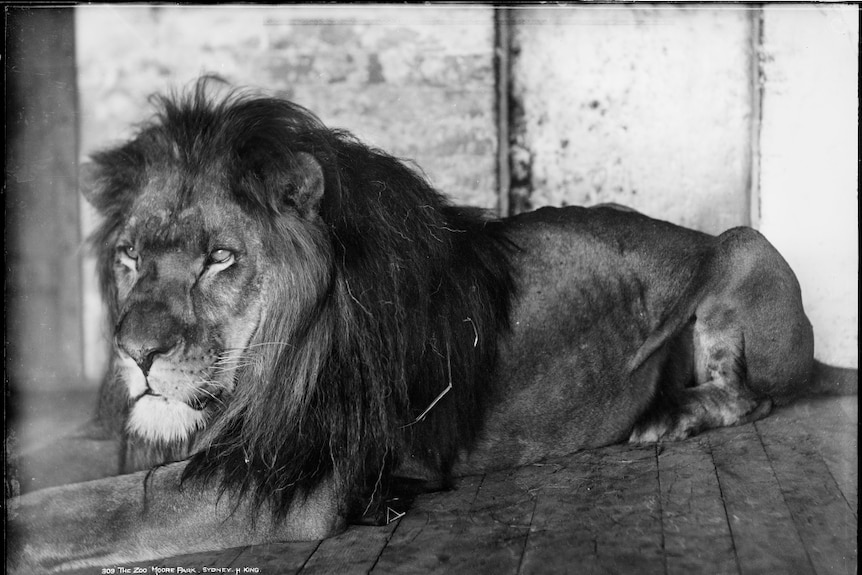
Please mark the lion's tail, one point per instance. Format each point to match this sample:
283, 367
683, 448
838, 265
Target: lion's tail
828, 380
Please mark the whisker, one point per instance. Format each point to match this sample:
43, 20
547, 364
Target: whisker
226, 368
260, 344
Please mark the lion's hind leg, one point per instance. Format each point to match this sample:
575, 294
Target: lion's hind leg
720, 396
702, 407
749, 343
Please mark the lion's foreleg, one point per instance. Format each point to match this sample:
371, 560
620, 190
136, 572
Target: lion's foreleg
79, 457
135, 518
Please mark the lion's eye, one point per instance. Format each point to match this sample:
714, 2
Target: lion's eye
130, 252
221, 256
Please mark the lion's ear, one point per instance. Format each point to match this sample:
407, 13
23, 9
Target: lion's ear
98, 189
88, 183
307, 181
108, 187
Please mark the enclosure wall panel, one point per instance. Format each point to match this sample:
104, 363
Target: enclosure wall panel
649, 107
809, 169
42, 237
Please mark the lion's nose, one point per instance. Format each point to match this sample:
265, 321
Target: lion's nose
146, 331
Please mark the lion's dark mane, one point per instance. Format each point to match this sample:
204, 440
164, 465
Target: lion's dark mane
417, 293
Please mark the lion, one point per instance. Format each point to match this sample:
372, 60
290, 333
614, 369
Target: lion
299, 320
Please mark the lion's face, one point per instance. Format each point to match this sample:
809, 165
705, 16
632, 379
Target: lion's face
193, 276
190, 280
214, 261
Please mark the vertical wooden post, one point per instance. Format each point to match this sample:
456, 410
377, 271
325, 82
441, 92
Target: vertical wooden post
756, 79
502, 70
42, 233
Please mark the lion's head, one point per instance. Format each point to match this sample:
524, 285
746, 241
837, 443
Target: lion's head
285, 301
192, 251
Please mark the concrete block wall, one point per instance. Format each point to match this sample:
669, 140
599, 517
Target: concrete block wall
689, 113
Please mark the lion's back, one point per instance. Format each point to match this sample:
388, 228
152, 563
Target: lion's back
575, 254
592, 285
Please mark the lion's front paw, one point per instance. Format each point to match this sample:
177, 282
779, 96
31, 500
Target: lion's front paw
646, 435
663, 430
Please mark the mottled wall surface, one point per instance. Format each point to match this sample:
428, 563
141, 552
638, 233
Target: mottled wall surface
653, 106
809, 171
415, 81
644, 106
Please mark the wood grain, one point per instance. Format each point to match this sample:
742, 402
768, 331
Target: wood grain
761, 498
695, 527
764, 535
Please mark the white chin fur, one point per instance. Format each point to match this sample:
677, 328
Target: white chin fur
163, 420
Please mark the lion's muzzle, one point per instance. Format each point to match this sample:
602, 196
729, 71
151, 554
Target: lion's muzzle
148, 330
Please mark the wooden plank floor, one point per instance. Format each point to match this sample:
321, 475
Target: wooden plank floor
777, 496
